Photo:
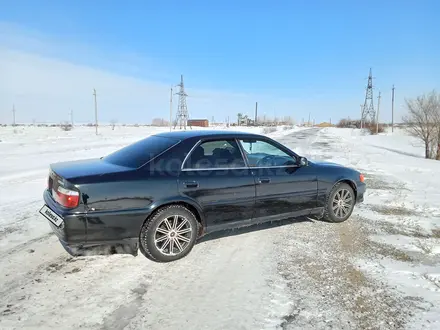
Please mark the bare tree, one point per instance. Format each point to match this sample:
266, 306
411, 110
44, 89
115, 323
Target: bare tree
421, 120
239, 118
265, 120
160, 122
66, 126
289, 120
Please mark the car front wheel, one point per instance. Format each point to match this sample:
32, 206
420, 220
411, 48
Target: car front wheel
340, 203
169, 234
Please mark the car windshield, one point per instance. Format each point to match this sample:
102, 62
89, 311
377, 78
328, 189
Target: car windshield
139, 153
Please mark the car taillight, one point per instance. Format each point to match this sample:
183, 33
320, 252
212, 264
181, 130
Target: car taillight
66, 197
361, 177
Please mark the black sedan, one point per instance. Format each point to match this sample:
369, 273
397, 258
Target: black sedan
162, 193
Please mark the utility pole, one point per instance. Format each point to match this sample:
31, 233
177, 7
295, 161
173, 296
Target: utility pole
362, 118
256, 113
392, 111
377, 120
13, 115
308, 123
71, 117
96, 112
171, 107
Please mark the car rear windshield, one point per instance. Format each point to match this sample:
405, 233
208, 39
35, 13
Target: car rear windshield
139, 153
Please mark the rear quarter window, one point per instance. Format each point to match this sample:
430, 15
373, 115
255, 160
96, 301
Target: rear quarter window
139, 153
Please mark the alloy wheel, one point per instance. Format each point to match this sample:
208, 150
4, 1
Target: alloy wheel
342, 203
173, 235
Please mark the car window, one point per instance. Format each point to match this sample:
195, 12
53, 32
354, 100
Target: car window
215, 154
263, 154
139, 153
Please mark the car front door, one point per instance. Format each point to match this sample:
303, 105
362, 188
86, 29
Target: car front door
283, 189
215, 175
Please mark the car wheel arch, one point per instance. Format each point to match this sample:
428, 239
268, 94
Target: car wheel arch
350, 183
192, 206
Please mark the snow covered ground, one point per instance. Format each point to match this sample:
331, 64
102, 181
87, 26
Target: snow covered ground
401, 215
378, 270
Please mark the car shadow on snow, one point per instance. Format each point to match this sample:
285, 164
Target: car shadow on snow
252, 228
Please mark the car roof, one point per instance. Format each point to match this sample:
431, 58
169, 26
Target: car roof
183, 135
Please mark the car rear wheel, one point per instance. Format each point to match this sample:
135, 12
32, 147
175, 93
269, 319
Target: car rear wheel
169, 234
340, 203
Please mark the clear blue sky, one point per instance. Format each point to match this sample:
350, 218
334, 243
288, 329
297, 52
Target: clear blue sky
316, 51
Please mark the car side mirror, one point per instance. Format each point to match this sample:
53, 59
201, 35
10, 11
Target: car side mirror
303, 161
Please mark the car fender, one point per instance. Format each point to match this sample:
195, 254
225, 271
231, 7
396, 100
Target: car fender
327, 181
346, 179
179, 199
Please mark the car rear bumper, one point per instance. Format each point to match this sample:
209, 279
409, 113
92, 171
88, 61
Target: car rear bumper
73, 227
72, 234
102, 248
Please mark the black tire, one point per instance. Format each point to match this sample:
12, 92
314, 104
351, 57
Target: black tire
338, 215
153, 230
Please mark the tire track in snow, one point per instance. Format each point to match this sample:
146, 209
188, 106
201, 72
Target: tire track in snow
22, 226
233, 274
319, 260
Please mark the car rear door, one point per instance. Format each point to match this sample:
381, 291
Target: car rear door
215, 175
283, 188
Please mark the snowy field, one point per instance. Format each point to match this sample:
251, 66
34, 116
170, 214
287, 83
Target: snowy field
378, 270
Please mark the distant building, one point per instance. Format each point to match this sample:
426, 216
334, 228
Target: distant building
245, 121
198, 122
325, 124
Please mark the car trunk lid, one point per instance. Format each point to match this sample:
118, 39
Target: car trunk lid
82, 168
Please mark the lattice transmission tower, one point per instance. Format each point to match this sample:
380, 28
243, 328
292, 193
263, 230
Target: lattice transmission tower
182, 115
368, 111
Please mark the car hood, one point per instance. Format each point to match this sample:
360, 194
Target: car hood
88, 167
326, 164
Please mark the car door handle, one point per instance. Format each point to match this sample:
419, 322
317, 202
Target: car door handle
263, 180
191, 184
